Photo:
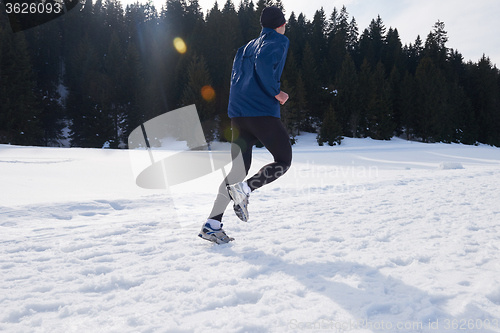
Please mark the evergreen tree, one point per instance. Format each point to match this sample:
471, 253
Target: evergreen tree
223, 39
372, 42
193, 15
299, 99
413, 54
393, 53
338, 39
168, 60
52, 117
365, 98
330, 130
431, 101
199, 91
303, 32
318, 39
291, 70
91, 125
380, 125
249, 20
347, 102
313, 88
483, 90
174, 17
366, 51
261, 4
279, 4
465, 129
435, 45
19, 110
158, 57
136, 110
408, 100
395, 81
456, 68
114, 101
45, 49
294, 34
352, 37
290, 113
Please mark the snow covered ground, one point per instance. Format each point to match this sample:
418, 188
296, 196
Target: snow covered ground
368, 236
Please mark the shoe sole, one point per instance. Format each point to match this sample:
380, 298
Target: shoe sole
237, 208
214, 239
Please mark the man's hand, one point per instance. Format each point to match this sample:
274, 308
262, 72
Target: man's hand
282, 97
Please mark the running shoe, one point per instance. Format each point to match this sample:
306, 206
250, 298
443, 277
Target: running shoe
240, 199
217, 236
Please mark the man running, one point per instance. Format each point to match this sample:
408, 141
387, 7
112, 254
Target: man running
254, 109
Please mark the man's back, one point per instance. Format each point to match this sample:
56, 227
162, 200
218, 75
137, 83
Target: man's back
255, 79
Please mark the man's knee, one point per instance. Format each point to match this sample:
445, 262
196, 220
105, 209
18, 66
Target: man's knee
285, 161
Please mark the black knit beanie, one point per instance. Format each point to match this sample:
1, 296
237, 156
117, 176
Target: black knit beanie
272, 17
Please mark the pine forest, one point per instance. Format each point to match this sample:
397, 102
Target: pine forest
101, 70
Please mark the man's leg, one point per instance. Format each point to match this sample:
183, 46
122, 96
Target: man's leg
242, 142
246, 131
273, 135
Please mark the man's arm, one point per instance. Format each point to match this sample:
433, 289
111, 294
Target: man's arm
269, 66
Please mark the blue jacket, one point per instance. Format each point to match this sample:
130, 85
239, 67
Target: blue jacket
255, 78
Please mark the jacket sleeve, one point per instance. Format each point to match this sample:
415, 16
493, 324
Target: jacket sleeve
236, 71
269, 65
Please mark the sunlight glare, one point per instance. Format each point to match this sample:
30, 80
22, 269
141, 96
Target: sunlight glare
208, 93
179, 45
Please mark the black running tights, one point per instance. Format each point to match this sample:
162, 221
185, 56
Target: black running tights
246, 132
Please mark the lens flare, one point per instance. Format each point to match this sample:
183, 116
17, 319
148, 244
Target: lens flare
230, 133
179, 45
208, 93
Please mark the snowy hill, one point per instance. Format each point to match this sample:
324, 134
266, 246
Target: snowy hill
368, 236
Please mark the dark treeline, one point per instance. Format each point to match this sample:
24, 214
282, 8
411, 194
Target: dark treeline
101, 70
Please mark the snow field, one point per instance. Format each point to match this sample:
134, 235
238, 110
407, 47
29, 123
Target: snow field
366, 237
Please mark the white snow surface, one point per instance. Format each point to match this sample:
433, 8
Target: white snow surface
368, 236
